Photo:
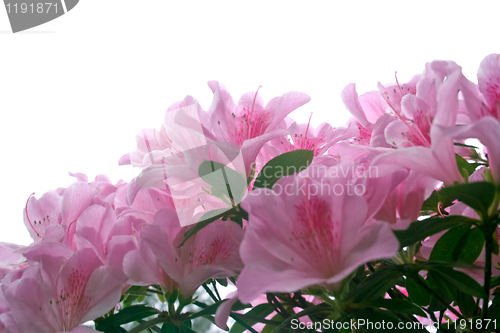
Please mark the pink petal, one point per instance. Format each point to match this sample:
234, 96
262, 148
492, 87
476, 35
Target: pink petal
118, 247
419, 159
488, 78
221, 111
378, 138
487, 130
81, 177
223, 311
103, 289
447, 95
93, 227
9, 255
374, 241
351, 102
158, 241
82, 329
76, 199
374, 106
280, 107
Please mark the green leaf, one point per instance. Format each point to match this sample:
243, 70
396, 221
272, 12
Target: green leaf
417, 293
169, 328
226, 180
211, 309
464, 145
395, 305
466, 304
441, 286
419, 230
205, 220
432, 202
445, 245
470, 246
269, 328
127, 315
222, 282
376, 284
283, 165
461, 281
464, 165
146, 325
495, 282
133, 293
477, 195
262, 310
494, 309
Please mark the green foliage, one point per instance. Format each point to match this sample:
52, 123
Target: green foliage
416, 292
283, 165
224, 179
477, 195
124, 316
459, 244
261, 310
420, 230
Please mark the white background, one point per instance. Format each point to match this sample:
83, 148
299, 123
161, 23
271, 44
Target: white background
75, 91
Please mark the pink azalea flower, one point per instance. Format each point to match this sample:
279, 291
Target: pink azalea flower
250, 118
7, 324
196, 136
403, 204
483, 99
369, 111
53, 217
487, 130
61, 289
438, 161
307, 239
305, 136
99, 229
488, 78
211, 253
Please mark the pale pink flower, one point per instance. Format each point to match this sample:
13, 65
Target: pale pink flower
61, 289
318, 140
403, 204
483, 99
370, 113
211, 253
487, 130
298, 239
438, 161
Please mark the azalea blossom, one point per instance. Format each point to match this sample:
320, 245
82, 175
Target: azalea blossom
211, 253
306, 240
61, 289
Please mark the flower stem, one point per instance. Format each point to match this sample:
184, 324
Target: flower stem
487, 273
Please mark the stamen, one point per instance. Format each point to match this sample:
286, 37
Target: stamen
396, 76
68, 233
439, 209
308, 123
401, 117
26, 209
169, 142
251, 112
